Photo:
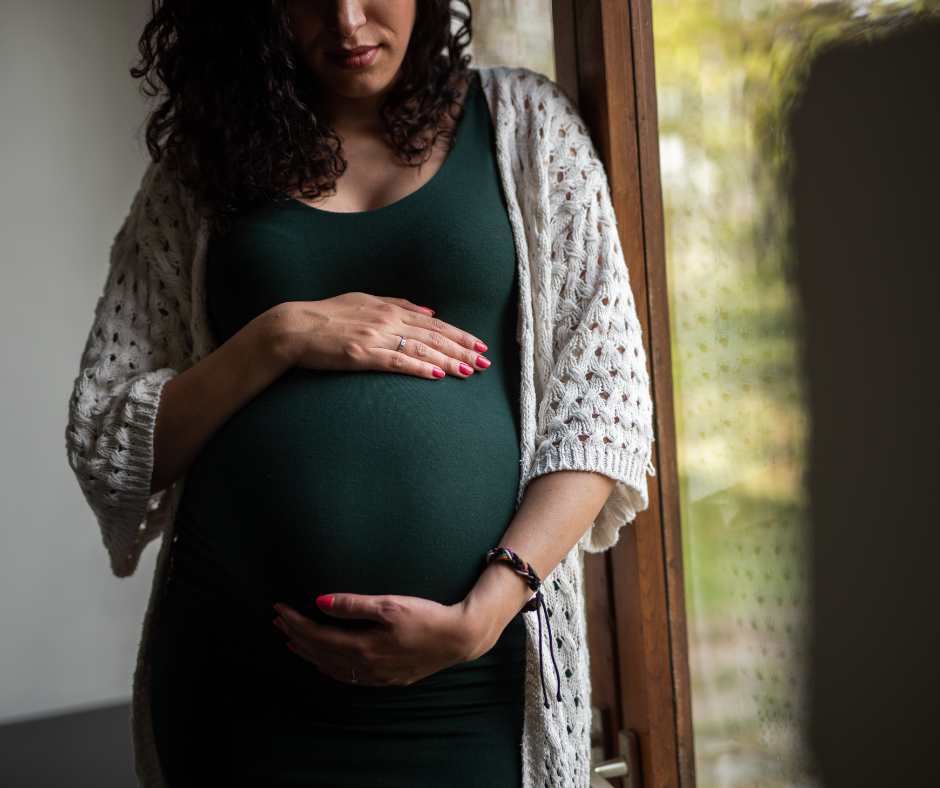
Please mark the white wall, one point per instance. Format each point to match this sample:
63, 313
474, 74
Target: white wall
69, 167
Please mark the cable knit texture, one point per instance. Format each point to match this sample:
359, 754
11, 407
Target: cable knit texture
585, 401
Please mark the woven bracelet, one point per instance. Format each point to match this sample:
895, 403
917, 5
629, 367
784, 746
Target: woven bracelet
536, 603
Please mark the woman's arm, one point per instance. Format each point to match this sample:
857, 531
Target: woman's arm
138, 341
197, 403
416, 637
556, 511
141, 411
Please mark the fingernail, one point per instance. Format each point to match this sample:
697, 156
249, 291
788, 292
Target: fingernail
326, 602
278, 624
483, 362
480, 347
429, 309
437, 372
466, 369
292, 647
277, 609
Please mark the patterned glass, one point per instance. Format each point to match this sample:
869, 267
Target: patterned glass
728, 73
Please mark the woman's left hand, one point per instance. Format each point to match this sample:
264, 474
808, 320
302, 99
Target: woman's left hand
412, 638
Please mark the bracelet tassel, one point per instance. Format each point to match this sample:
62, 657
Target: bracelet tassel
537, 604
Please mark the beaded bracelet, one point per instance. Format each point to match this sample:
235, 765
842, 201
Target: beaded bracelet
536, 603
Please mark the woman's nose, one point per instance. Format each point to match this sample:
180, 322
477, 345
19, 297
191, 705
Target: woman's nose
348, 17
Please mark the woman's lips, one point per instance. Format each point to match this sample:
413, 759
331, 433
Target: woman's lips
351, 59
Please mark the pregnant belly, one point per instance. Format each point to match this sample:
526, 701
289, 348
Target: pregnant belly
365, 482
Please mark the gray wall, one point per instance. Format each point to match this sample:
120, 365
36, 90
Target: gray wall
69, 167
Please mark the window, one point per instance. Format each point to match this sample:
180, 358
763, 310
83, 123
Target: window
698, 633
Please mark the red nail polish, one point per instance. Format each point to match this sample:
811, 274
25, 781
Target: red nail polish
483, 362
326, 602
480, 347
292, 647
429, 309
277, 609
437, 372
466, 369
278, 624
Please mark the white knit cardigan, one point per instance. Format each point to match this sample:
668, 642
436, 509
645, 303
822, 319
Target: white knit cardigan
585, 399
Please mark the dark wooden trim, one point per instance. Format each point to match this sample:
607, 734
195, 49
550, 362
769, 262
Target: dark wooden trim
602, 645
566, 51
641, 13
604, 61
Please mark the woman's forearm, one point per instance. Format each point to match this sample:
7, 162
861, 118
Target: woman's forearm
198, 402
556, 511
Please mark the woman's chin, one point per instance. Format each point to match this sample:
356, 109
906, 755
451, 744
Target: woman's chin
371, 80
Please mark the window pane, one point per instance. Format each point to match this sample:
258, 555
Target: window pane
727, 71
513, 33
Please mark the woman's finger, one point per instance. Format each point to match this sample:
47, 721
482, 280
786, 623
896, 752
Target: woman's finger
462, 339
333, 665
343, 671
404, 303
307, 645
379, 608
419, 318
301, 628
421, 351
320, 638
429, 341
393, 361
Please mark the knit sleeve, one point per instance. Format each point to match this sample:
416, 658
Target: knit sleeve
137, 343
595, 413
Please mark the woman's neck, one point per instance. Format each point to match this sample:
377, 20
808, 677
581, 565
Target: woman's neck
351, 116
354, 115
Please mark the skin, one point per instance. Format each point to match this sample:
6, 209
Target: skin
413, 637
374, 176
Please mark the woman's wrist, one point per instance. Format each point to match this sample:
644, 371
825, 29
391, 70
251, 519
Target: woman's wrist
494, 601
274, 337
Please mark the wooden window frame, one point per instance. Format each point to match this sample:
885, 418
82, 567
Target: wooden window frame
635, 599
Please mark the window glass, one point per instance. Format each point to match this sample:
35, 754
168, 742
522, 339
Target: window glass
513, 33
727, 72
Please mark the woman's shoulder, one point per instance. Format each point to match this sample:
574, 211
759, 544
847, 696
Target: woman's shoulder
161, 235
522, 83
534, 112
164, 212
536, 100
162, 200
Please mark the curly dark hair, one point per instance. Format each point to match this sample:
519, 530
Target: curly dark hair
236, 111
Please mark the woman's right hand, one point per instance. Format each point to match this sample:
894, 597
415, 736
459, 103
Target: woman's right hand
357, 331
353, 331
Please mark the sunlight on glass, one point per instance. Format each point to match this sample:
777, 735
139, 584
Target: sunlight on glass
513, 33
728, 71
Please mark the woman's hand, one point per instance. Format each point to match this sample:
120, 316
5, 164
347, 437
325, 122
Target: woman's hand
357, 331
412, 638
353, 331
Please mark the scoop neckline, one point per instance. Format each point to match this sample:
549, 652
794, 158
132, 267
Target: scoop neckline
458, 136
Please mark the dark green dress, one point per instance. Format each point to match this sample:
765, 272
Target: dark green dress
359, 482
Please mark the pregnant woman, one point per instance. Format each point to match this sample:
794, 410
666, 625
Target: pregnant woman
359, 495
